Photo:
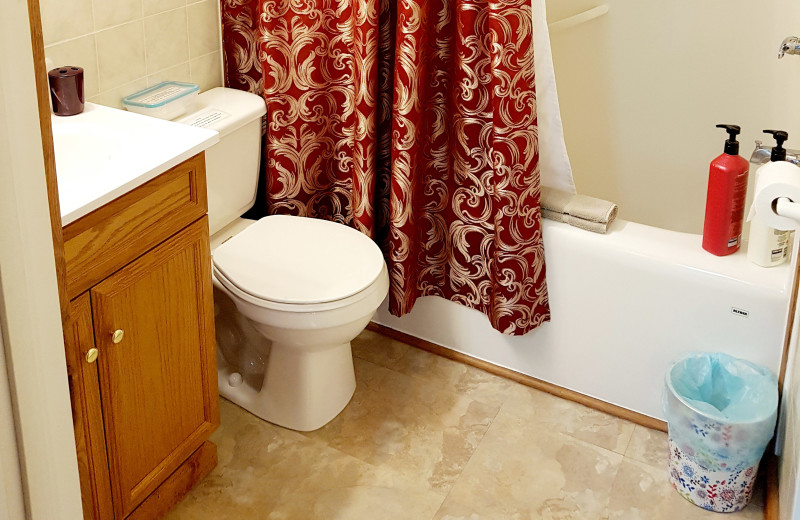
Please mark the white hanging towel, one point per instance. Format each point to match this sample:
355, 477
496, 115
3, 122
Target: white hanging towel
556, 171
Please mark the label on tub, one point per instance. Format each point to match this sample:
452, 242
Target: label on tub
740, 312
206, 117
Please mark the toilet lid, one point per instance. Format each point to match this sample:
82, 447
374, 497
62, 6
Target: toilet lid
299, 260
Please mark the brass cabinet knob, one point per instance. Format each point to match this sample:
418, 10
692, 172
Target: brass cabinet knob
117, 336
91, 355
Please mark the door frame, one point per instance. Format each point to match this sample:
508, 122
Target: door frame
31, 305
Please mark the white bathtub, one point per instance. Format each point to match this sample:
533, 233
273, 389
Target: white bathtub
624, 305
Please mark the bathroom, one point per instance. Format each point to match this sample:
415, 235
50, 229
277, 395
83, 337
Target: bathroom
676, 181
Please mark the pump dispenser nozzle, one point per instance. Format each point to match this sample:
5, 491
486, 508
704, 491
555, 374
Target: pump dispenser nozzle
778, 152
731, 144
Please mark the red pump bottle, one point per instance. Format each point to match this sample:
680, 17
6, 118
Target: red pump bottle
727, 189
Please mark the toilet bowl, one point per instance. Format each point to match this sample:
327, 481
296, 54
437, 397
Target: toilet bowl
309, 287
290, 292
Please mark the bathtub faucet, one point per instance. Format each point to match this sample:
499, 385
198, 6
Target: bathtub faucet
762, 154
789, 45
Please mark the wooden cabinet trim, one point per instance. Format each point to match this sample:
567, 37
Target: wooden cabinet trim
170, 492
161, 217
108, 238
132, 485
87, 414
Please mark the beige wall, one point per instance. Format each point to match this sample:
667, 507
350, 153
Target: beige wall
127, 45
642, 87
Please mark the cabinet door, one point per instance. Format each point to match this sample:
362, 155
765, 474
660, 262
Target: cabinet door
158, 380
87, 413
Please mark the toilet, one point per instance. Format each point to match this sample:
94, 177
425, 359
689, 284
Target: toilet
290, 293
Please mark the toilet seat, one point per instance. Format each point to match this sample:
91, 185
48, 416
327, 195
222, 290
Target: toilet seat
299, 264
220, 278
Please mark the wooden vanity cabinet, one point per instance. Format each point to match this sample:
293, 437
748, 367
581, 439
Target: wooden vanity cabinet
141, 352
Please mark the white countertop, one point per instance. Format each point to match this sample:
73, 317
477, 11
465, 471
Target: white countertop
104, 153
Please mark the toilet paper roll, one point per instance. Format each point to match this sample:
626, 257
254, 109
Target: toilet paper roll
776, 180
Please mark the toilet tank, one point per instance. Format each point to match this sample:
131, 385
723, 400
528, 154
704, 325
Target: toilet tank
232, 165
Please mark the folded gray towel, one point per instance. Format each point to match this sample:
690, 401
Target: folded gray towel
555, 215
588, 225
583, 212
554, 200
592, 209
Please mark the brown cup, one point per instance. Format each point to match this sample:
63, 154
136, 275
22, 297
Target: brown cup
66, 90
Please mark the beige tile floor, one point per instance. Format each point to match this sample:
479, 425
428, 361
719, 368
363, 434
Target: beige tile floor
426, 438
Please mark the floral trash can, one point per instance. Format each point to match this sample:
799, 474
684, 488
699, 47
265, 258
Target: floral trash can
721, 413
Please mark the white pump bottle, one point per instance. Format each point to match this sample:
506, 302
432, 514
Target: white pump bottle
766, 246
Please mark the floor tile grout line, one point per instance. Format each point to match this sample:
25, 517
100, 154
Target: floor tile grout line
461, 473
570, 436
630, 440
478, 399
446, 388
376, 466
456, 496
392, 364
607, 507
302, 438
622, 455
501, 377
640, 460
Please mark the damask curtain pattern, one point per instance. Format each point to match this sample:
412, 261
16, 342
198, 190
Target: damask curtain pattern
415, 122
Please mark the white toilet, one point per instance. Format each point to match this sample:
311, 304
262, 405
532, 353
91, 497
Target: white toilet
290, 292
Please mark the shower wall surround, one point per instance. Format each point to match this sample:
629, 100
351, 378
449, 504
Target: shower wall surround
127, 45
642, 87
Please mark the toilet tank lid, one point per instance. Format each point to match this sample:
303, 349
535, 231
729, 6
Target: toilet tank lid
225, 110
299, 260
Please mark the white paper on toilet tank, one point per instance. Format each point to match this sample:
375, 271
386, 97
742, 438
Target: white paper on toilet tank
779, 180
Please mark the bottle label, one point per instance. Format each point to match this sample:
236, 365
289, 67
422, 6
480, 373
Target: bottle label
781, 249
781, 245
737, 210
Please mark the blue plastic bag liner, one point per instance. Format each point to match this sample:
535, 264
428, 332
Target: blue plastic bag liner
721, 410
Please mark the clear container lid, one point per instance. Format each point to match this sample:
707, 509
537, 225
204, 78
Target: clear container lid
160, 95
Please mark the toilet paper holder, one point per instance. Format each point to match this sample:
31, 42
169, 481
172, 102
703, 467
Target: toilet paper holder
786, 207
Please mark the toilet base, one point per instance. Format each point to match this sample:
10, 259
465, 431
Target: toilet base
303, 389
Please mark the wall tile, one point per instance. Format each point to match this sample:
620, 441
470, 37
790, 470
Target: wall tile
82, 53
113, 98
127, 45
206, 71
120, 55
63, 19
166, 40
177, 73
203, 28
108, 13
150, 7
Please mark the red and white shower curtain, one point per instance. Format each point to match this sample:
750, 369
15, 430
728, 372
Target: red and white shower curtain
415, 122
